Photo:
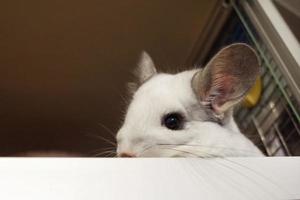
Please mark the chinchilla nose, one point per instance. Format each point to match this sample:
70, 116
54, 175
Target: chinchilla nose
127, 155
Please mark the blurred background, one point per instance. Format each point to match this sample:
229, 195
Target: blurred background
64, 66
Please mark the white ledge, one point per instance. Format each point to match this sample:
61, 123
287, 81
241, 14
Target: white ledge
149, 178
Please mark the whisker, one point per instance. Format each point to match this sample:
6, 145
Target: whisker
145, 149
215, 179
107, 129
247, 168
187, 152
125, 100
102, 153
102, 149
235, 170
106, 148
210, 155
105, 153
104, 139
111, 154
212, 147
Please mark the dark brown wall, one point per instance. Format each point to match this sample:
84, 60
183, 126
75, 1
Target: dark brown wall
63, 64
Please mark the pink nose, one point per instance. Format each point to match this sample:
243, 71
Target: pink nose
127, 155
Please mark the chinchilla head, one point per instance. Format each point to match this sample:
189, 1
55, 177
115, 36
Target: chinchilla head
189, 114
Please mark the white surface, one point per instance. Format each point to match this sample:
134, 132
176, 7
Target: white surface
155, 179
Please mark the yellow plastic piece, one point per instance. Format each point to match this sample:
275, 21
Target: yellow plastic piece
253, 95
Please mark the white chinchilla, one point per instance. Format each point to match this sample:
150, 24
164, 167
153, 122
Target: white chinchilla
189, 114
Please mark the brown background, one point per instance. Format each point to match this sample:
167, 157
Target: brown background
64, 64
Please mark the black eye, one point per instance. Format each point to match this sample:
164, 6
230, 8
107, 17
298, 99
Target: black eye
173, 121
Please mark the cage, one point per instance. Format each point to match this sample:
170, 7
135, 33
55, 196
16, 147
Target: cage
273, 123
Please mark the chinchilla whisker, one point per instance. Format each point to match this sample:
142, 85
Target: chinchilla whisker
107, 129
126, 101
186, 152
116, 91
102, 149
111, 154
103, 153
105, 140
183, 151
247, 168
209, 155
218, 175
211, 147
206, 176
145, 149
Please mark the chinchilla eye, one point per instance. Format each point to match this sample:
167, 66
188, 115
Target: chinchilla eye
173, 121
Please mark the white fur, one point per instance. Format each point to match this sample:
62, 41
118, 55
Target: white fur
143, 134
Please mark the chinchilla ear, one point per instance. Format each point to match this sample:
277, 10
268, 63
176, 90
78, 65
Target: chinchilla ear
144, 71
227, 77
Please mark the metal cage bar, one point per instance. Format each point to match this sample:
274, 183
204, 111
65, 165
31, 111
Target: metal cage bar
273, 124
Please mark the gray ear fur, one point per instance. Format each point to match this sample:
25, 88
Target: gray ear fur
227, 77
146, 68
144, 71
